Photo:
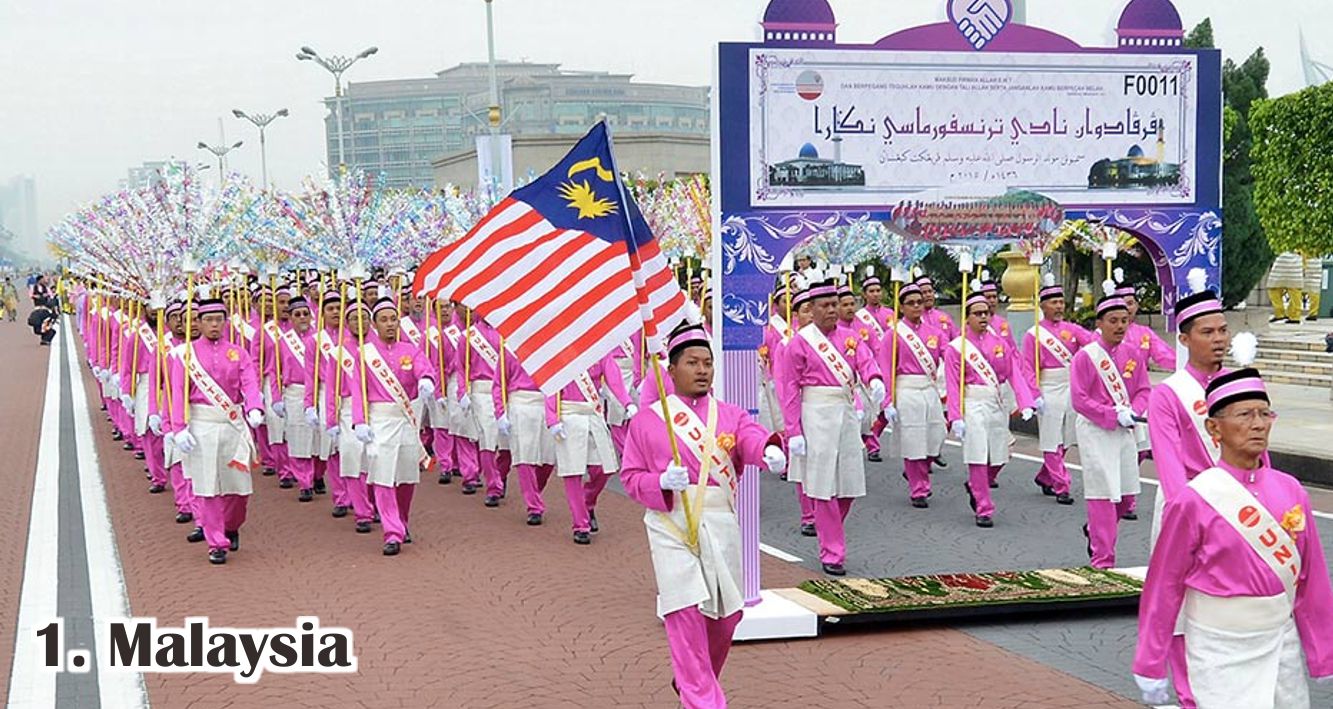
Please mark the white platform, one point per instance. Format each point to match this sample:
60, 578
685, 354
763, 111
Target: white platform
774, 618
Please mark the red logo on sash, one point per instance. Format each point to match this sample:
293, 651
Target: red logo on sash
1249, 516
1200, 407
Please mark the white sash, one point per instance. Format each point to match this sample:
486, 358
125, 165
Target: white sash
778, 323
589, 392
829, 355
148, 336
483, 348
1052, 344
410, 329
693, 436
916, 347
341, 357
377, 366
452, 332
627, 349
1253, 522
246, 329
274, 333
1194, 401
295, 344
1109, 373
209, 387
979, 363
867, 319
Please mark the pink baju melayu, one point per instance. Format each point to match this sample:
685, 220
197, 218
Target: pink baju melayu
483, 375
531, 445
586, 451
1055, 424
700, 596
914, 393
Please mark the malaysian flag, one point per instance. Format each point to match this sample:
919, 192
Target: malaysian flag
565, 268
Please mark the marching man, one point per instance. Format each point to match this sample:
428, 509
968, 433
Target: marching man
875, 319
520, 416
917, 409
353, 458
803, 316
159, 412
1059, 339
1109, 391
583, 447
1240, 554
210, 383
480, 365
321, 366
826, 363
386, 419
696, 556
442, 339
289, 403
979, 417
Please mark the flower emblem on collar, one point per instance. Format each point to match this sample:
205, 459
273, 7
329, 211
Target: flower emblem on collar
763, 350
998, 352
1145, 342
1293, 520
865, 334
932, 342
1066, 335
405, 363
726, 442
850, 345
1130, 366
233, 355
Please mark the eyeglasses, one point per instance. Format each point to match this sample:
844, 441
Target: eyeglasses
1251, 415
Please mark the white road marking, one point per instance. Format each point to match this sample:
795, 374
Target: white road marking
780, 554
31, 684
1150, 481
106, 579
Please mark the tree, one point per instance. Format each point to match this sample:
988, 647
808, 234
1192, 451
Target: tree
1293, 170
1245, 249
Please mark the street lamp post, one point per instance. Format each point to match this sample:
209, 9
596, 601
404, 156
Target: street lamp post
336, 65
497, 164
220, 152
261, 121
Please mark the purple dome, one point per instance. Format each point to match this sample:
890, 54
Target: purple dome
804, 12
1150, 15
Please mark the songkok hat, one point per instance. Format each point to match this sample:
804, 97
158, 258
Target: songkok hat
1049, 289
384, 304
989, 287
209, 306
871, 281
1240, 385
297, 302
909, 289
687, 335
975, 299
1110, 304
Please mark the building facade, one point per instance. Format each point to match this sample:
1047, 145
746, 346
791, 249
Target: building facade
18, 214
652, 154
400, 127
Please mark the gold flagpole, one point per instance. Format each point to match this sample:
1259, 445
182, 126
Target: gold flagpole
691, 532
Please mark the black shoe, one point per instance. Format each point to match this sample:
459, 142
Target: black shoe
155, 489
235, 538
808, 530
469, 488
1089, 538
339, 511
783, 476
1130, 516
217, 556
1312, 318
138, 455
971, 499
534, 520
127, 446
196, 536
985, 522
1046, 490
407, 537
363, 528
1275, 318
995, 484
592, 521
391, 549
920, 503
1065, 499
376, 520
492, 501
286, 483
306, 495
582, 538
184, 517
875, 458
445, 478
320, 487
269, 472
835, 570
1293, 322
939, 463
115, 436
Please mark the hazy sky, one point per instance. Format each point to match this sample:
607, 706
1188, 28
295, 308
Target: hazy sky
90, 88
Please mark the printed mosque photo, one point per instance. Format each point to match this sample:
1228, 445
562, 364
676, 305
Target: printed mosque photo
810, 170
1136, 169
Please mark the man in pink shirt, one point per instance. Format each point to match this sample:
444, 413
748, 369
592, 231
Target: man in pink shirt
212, 384
1059, 341
628, 358
1109, 390
1240, 554
392, 377
914, 402
696, 557
288, 401
353, 454
520, 416
937, 318
827, 364
803, 315
159, 410
442, 341
481, 361
323, 382
877, 320
980, 417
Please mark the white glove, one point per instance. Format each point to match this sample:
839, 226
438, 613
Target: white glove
363, 433
503, 424
1124, 416
128, 402
115, 380
255, 418
674, 478
464, 401
97, 372
877, 393
155, 424
796, 445
774, 459
1039, 405
425, 389
311, 415
958, 429
168, 440
558, 430
632, 410
1155, 691
1028, 413
185, 442
891, 413
280, 409
333, 431
860, 414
